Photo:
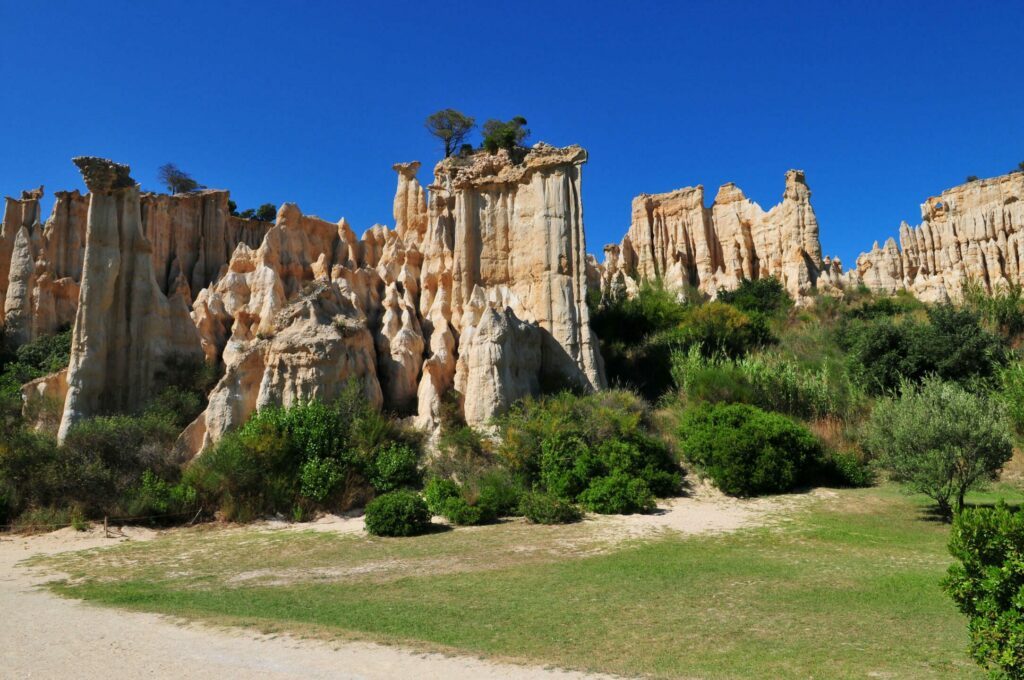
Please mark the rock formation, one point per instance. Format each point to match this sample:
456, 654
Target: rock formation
970, 233
674, 238
480, 287
125, 327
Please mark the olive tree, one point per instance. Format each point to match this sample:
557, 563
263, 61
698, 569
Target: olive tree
451, 127
177, 180
939, 440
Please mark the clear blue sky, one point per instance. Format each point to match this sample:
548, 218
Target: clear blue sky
882, 103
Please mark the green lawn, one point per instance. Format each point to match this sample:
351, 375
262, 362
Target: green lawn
849, 587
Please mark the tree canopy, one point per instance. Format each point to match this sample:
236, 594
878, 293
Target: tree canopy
504, 134
451, 127
176, 180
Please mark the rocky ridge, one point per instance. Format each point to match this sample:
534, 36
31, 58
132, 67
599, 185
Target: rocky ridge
673, 237
481, 286
970, 233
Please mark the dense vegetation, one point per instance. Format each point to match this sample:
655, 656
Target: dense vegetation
749, 391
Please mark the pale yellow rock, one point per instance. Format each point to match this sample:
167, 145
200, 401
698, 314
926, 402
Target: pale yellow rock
125, 327
516, 230
499, 362
970, 233
674, 238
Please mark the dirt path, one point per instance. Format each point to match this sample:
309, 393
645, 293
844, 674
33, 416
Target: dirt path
44, 636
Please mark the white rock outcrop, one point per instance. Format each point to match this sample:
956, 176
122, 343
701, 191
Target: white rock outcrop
970, 233
675, 238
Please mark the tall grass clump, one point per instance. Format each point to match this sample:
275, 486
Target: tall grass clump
768, 381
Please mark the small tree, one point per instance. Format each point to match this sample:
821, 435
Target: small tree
232, 208
504, 135
266, 212
451, 127
1020, 166
177, 180
971, 178
939, 440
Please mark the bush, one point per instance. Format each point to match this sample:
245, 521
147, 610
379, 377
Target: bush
986, 585
398, 513
758, 296
939, 440
504, 135
395, 466
566, 464
312, 456
542, 508
746, 451
497, 490
721, 329
460, 511
561, 444
1011, 380
42, 356
617, 494
952, 345
1002, 310
437, 492
844, 469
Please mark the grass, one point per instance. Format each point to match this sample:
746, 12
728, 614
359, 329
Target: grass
848, 587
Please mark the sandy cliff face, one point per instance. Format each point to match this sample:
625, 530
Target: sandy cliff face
675, 238
972, 232
125, 327
481, 287
191, 238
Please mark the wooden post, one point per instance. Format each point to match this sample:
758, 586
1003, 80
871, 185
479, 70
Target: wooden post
106, 532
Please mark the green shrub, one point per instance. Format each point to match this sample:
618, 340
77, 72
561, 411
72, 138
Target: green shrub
498, 491
939, 440
986, 585
721, 329
566, 464
1002, 310
758, 296
542, 508
560, 444
504, 135
746, 451
42, 356
1011, 380
437, 491
952, 345
458, 510
844, 469
314, 455
319, 478
617, 493
398, 513
395, 466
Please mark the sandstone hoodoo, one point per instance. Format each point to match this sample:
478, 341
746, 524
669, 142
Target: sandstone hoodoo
972, 232
480, 287
673, 237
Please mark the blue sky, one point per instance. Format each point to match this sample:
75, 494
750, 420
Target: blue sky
881, 103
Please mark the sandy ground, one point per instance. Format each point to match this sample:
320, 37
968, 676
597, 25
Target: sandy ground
44, 636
